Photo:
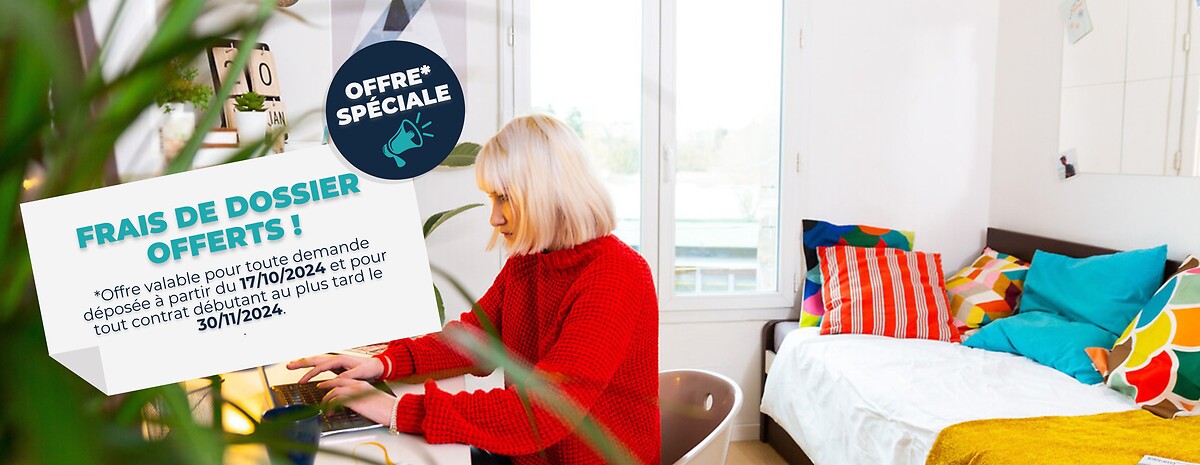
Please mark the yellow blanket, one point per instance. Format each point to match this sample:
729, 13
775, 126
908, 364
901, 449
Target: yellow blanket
1109, 438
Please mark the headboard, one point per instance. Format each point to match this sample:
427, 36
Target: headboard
1023, 245
1019, 244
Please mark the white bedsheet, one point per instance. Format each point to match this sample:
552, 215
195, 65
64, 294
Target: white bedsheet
850, 399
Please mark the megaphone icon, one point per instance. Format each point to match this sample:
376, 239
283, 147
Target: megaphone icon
407, 136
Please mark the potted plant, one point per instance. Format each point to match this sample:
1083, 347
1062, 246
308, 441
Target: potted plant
179, 99
251, 117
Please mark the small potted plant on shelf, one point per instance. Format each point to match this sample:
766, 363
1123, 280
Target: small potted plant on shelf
179, 99
251, 117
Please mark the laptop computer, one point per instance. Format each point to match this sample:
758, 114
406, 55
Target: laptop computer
285, 391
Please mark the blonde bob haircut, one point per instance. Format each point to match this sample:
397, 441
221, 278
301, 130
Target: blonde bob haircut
557, 203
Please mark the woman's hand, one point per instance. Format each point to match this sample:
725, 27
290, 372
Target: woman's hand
346, 366
360, 396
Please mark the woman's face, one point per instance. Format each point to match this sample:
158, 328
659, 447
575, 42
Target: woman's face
503, 217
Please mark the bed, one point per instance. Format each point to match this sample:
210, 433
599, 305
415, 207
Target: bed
867, 399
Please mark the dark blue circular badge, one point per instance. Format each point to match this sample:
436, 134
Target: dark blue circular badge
395, 110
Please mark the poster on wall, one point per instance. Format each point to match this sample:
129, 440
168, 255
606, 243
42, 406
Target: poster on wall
440, 26
1078, 20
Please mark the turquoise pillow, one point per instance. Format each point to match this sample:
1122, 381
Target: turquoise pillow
1104, 290
1048, 339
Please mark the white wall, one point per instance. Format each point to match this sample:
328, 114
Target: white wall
896, 130
899, 119
302, 61
1117, 211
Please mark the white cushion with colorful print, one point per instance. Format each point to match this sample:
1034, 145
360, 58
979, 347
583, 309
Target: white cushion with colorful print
1157, 360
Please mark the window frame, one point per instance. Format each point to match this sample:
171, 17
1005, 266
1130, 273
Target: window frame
658, 147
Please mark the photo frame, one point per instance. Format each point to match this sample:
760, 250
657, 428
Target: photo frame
1066, 163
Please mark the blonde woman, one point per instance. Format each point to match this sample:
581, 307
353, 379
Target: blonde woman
572, 300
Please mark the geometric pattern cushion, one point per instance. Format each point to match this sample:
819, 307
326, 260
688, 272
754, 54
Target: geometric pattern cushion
988, 289
1156, 361
825, 234
885, 292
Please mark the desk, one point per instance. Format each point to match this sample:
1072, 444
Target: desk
248, 388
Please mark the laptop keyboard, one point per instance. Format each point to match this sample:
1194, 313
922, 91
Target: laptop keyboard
333, 420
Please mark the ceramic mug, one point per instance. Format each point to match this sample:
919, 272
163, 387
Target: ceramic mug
287, 426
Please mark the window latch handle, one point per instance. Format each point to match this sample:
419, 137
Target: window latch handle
668, 165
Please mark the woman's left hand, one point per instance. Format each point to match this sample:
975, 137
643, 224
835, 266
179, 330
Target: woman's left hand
360, 396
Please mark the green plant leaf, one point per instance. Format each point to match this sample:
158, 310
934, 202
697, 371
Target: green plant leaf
484, 321
175, 413
599, 438
438, 218
250, 101
181, 86
527, 407
130, 408
441, 306
242, 410
62, 112
490, 350
215, 382
463, 154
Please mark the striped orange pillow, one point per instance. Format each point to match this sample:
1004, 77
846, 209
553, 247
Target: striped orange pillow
886, 292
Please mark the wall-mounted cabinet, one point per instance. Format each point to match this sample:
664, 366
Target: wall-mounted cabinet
1129, 89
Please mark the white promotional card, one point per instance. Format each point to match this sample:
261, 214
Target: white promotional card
226, 268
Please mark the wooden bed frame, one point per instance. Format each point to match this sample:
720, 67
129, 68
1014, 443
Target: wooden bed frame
1017, 244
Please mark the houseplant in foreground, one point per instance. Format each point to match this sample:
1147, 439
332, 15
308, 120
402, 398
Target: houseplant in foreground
60, 112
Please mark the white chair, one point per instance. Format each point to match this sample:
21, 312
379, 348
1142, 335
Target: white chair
697, 409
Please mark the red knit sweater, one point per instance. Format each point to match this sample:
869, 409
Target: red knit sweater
587, 317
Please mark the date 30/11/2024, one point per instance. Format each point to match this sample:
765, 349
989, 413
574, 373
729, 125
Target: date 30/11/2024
239, 316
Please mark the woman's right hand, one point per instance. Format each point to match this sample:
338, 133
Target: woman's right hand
345, 366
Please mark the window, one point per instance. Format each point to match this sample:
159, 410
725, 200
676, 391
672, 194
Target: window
727, 81
679, 107
593, 84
